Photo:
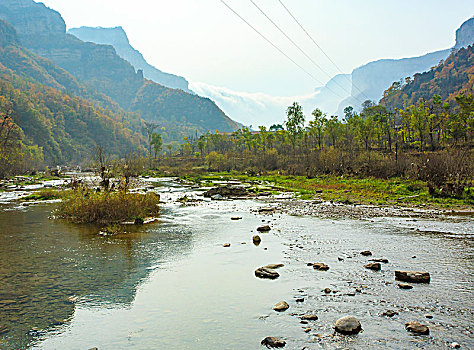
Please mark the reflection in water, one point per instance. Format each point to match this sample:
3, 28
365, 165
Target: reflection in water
48, 265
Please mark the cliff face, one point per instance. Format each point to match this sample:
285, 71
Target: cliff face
117, 38
42, 31
465, 34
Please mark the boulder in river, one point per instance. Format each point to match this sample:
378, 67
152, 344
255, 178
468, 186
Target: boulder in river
348, 325
412, 276
226, 191
264, 228
373, 266
405, 286
273, 342
417, 328
256, 239
366, 253
281, 306
320, 266
389, 313
263, 272
309, 317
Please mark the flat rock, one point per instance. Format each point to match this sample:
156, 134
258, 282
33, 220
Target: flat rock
389, 313
373, 266
417, 328
226, 191
348, 325
235, 218
273, 266
281, 306
264, 228
273, 342
366, 253
263, 272
405, 286
385, 261
309, 317
320, 266
266, 210
412, 276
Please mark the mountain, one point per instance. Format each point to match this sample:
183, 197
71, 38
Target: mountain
371, 80
39, 97
117, 38
100, 69
449, 79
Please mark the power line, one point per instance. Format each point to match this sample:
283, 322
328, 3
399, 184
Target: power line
298, 47
276, 47
320, 48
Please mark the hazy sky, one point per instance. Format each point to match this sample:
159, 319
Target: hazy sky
205, 42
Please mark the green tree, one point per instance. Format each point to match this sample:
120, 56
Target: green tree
295, 122
156, 142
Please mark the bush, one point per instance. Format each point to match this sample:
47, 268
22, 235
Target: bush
108, 207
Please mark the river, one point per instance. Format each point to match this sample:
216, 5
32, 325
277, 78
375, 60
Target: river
172, 284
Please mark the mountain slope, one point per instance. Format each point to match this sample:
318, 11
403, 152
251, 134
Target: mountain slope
42, 30
67, 127
449, 79
117, 38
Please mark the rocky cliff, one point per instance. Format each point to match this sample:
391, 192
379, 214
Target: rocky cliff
117, 38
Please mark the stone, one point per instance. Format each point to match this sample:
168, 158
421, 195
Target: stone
429, 316
327, 290
263, 272
412, 276
385, 261
281, 306
235, 218
264, 228
307, 330
348, 325
299, 300
320, 266
273, 266
366, 253
256, 239
309, 317
390, 313
373, 266
217, 197
455, 345
226, 191
273, 342
266, 210
417, 328
226, 245
405, 286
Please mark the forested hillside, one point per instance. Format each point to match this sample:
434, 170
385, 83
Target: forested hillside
41, 116
449, 79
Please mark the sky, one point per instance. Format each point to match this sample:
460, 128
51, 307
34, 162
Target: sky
207, 43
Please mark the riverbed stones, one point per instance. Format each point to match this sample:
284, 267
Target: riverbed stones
390, 313
455, 345
366, 253
309, 317
412, 276
327, 290
385, 261
235, 218
348, 325
263, 272
373, 266
417, 328
405, 286
273, 266
226, 191
273, 342
256, 239
226, 245
263, 228
281, 306
320, 266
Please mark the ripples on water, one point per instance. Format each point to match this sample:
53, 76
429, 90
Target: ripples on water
173, 285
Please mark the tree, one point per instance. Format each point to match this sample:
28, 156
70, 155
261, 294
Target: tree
295, 122
156, 142
149, 128
316, 126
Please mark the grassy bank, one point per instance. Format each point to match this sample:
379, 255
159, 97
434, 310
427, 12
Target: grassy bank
395, 191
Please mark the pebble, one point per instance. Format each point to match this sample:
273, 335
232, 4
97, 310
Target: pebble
226, 245
281, 306
405, 286
309, 317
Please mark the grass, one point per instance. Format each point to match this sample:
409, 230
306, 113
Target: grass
350, 190
44, 194
108, 207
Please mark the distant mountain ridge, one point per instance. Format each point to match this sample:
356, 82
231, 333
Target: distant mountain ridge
117, 38
100, 69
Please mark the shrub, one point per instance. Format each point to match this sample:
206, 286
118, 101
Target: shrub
108, 207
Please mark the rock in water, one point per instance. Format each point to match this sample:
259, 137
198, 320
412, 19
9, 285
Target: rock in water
417, 328
256, 239
273, 266
273, 342
373, 266
309, 317
263, 272
348, 325
412, 276
405, 286
226, 191
366, 253
390, 313
281, 306
236, 218
264, 228
320, 266
226, 245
